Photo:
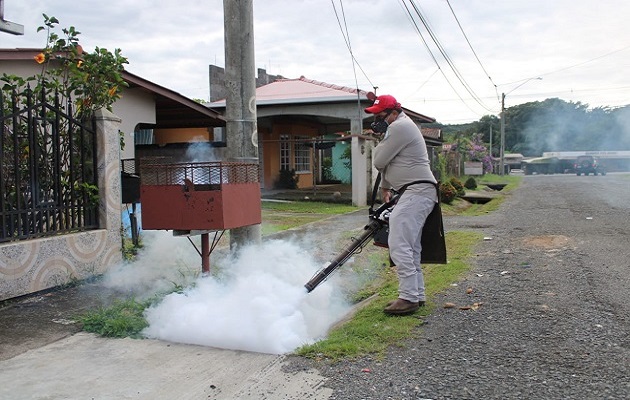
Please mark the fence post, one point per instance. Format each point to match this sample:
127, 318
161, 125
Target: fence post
109, 184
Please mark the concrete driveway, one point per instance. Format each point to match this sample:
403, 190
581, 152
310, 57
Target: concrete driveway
85, 366
45, 355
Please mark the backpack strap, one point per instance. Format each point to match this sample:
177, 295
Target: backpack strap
401, 190
375, 191
404, 187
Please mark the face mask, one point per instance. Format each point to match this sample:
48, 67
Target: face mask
379, 126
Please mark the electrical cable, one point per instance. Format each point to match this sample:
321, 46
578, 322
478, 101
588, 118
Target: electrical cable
572, 66
472, 49
446, 57
426, 45
425, 82
346, 38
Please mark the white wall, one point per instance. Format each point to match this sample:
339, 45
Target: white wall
134, 107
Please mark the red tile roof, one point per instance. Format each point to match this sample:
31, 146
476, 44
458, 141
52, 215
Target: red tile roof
302, 89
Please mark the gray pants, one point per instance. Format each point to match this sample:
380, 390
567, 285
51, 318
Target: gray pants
405, 232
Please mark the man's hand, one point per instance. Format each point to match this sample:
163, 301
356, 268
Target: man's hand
386, 195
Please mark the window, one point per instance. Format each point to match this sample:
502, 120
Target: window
144, 136
285, 152
302, 154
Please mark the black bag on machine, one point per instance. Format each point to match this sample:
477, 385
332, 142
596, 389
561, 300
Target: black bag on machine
433, 241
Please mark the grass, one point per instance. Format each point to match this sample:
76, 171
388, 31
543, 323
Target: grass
125, 318
494, 178
307, 207
280, 216
462, 207
370, 331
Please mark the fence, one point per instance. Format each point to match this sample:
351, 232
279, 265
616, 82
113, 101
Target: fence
48, 177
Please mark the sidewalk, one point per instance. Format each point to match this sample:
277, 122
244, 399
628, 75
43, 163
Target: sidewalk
44, 354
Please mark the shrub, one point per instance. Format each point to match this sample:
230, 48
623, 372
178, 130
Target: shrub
287, 179
447, 193
470, 183
459, 187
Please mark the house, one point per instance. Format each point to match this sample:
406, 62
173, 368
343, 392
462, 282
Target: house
146, 113
301, 122
150, 113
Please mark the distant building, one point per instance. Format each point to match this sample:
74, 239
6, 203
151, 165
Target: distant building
310, 127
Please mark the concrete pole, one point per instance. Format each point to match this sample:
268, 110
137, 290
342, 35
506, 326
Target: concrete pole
240, 106
359, 165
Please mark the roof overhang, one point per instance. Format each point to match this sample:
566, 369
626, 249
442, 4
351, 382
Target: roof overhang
172, 109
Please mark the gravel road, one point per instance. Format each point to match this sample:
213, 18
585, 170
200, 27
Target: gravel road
553, 280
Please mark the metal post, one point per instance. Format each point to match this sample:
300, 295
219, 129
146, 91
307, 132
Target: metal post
205, 253
502, 150
490, 141
240, 106
503, 122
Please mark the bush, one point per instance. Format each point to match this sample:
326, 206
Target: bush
447, 193
286, 180
459, 187
470, 183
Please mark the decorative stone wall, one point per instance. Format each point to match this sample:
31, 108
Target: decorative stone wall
33, 265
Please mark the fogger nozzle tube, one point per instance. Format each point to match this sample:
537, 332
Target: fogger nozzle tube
320, 277
357, 244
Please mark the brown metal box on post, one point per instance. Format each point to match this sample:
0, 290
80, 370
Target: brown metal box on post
200, 196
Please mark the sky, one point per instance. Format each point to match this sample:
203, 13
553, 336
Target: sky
579, 48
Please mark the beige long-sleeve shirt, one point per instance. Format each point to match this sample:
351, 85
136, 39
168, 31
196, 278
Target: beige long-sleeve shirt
402, 157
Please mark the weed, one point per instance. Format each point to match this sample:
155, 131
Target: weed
125, 318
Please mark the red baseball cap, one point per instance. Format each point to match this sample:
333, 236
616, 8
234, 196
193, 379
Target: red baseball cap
384, 102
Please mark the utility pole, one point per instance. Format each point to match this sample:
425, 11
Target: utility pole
240, 105
491, 146
502, 150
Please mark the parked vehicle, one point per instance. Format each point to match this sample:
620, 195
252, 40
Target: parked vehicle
589, 164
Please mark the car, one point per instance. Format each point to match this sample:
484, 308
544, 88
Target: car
589, 164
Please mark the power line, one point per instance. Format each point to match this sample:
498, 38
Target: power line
471, 48
425, 82
446, 57
587, 61
426, 45
346, 38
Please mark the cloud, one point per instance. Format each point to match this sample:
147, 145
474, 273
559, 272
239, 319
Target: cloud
172, 43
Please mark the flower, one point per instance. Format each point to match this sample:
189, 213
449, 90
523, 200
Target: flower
111, 92
79, 64
40, 58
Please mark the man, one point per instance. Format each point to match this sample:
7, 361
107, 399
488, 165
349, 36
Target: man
402, 159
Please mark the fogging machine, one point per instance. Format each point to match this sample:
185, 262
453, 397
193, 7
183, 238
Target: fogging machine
433, 244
